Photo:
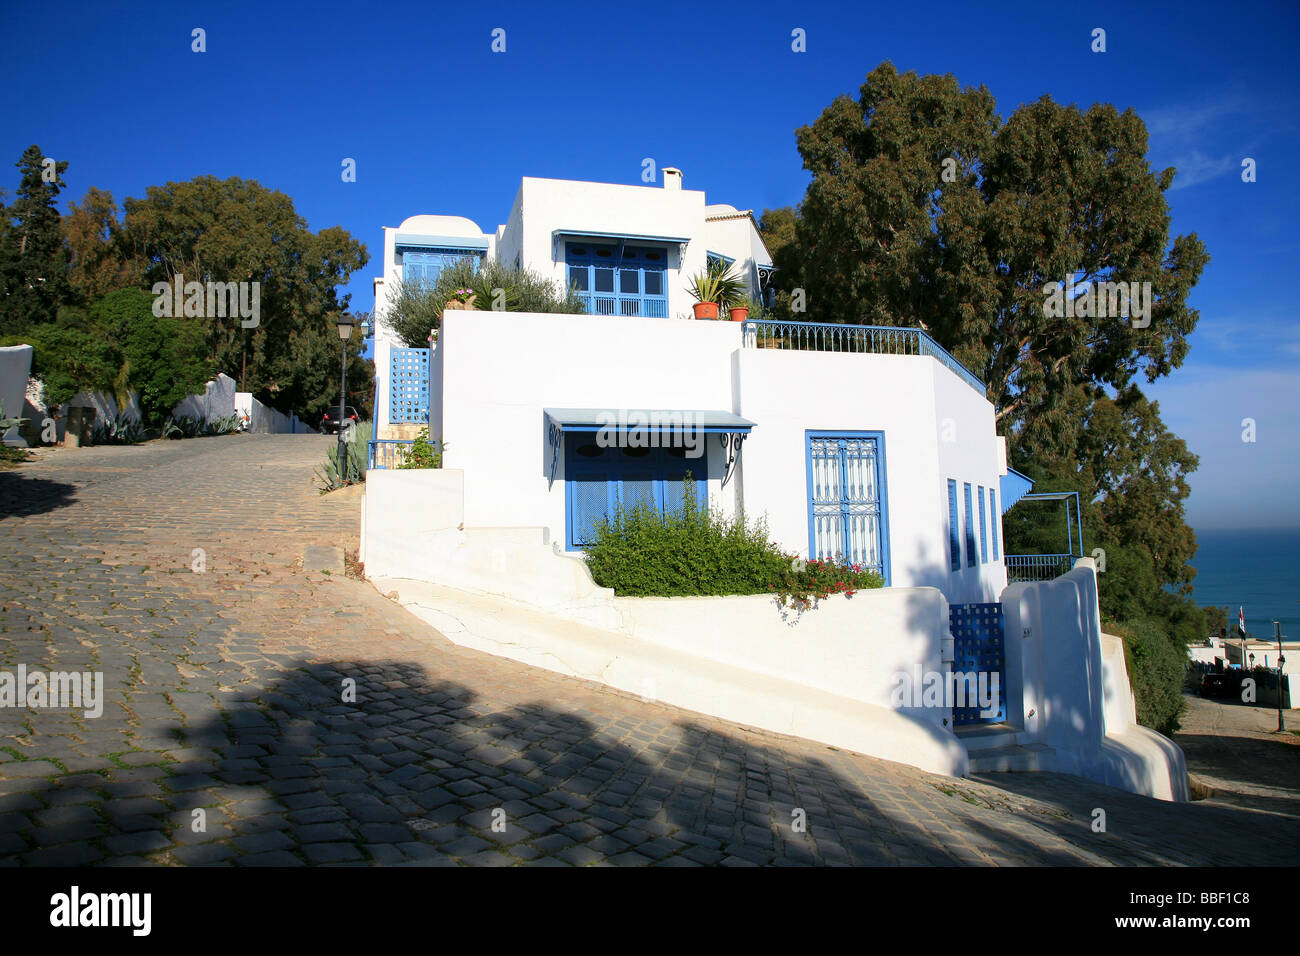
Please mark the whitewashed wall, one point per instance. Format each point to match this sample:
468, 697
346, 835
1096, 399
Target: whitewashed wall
264, 420
1067, 686
217, 401
15, 367
498, 371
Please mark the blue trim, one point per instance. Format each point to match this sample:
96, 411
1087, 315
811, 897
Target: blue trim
970, 526
623, 263
882, 483
984, 530
1014, 486
954, 530
994, 518
441, 242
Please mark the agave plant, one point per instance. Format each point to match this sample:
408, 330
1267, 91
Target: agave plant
8, 423
358, 451
121, 430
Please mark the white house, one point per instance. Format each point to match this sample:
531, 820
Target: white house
630, 251
855, 444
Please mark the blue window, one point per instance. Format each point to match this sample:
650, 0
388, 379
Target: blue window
993, 520
954, 542
984, 529
600, 478
719, 261
847, 506
970, 527
619, 280
425, 265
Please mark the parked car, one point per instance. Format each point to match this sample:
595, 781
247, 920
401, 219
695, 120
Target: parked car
334, 416
1219, 685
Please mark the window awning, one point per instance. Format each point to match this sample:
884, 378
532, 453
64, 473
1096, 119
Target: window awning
1014, 486
441, 242
627, 236
709, 421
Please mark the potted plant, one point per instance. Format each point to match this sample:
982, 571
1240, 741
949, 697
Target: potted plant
462, 299
742, 307
705, 286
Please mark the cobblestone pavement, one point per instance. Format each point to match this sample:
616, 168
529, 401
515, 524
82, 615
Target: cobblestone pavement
226, 693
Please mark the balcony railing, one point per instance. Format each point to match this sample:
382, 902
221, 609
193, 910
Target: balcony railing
1037, 567
868, 339
599, 303
388, 452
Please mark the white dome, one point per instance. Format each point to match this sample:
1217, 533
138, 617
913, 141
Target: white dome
441, 226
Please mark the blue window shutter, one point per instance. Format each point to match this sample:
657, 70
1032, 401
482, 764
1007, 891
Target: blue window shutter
993, 520
984, 531
954, 544
970, 527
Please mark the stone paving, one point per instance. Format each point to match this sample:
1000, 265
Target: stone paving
312, 721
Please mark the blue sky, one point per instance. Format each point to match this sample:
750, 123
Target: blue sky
438, 123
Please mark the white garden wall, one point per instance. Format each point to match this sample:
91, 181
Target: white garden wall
15, 367
1068, 687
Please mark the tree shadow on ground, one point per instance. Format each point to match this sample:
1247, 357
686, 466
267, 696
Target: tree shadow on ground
423, 771
22, 495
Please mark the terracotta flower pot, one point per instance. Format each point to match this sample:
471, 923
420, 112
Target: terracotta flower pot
706, 310
739, 315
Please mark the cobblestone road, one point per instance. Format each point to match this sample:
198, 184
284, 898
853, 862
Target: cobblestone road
225, 694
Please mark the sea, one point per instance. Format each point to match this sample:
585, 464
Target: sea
1255, 569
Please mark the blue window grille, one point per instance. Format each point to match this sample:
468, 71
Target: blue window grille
618, 279
718, 260
993, 520
970, 527
424, 265
408, 385
984, 528
599, 479
954, 543
847, 505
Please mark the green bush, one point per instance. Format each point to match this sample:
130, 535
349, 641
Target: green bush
642, 552
1157, 672
423, 453
417, 307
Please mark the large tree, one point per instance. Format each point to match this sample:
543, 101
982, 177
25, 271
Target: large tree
33, 260
926, 209
236, 230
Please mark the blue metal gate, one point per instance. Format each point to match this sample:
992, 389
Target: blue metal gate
408, 386
979, 648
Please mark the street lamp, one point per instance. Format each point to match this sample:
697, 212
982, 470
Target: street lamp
344, 324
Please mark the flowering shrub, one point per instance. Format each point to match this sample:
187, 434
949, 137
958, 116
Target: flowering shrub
810, 581
462, 295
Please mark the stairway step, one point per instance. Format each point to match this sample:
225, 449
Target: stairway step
1016, 759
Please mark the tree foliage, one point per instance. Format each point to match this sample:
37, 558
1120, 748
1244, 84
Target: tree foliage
236, 230
33, 260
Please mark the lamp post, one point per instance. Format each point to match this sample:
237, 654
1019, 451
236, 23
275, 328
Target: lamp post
344, 324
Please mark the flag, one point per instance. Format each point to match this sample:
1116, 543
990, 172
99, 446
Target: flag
1241, 621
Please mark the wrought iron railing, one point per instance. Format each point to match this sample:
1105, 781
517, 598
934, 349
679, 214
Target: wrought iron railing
387, 452
867, 339
1037, 567
612, 304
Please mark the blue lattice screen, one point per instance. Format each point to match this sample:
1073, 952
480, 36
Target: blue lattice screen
408, 386
979, 647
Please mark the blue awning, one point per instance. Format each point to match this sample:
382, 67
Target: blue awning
670, 420
1014, 486
441, 242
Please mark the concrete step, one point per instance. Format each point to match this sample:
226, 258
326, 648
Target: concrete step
1014, 759
989, 736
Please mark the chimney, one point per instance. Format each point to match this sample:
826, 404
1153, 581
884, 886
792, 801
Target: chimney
672, 178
